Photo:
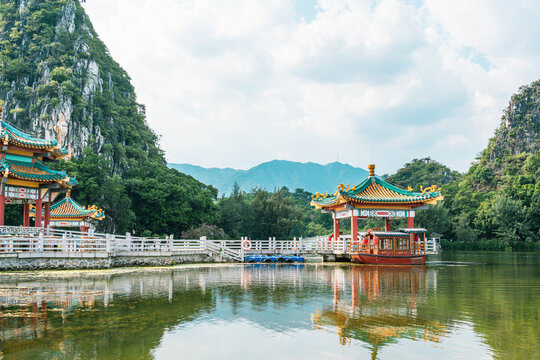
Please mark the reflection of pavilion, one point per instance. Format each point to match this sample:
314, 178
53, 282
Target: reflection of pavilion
381, 308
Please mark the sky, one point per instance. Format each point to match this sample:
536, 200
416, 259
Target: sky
236, 83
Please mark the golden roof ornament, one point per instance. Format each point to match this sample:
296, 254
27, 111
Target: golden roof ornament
371, 168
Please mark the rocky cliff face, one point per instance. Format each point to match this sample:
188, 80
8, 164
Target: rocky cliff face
519, 131
58, 80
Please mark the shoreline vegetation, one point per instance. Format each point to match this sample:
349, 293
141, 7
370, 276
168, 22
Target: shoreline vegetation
488, 245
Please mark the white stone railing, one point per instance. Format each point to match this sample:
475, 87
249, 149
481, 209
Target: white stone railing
15, 239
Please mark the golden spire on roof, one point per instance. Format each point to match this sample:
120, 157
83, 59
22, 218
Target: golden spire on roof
371, 168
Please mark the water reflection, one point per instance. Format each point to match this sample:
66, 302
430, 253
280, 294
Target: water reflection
341, 311
382, 306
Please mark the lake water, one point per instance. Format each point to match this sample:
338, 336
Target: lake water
459, 306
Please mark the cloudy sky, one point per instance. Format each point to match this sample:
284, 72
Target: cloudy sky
236, 83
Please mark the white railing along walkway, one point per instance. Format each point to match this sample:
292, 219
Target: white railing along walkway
14, 239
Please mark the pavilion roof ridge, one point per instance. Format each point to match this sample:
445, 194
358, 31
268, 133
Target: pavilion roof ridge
69, 208
9, 132
374, 189
31, 171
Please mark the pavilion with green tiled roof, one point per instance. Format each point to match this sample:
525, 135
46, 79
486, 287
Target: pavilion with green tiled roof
11, 135
374, 197
69, 213
25, 177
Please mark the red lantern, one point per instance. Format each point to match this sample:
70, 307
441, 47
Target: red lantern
364, 241
376, 240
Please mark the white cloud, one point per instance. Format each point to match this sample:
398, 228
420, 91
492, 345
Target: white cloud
236, 83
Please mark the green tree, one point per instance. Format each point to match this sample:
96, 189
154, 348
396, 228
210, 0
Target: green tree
233, 213
509, 218
435, 219
463, 230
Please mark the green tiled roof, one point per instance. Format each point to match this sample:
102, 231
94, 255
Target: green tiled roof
69, 208
373, 189
25, 139
25, 170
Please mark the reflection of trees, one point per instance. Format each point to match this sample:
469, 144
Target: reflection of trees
382, 306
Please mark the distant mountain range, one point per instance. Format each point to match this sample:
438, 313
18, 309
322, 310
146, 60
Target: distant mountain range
275, 174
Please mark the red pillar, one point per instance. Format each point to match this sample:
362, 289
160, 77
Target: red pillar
83, 229
38, 213
47, 214
2, 206
410, 224
354, 228
387, 225
26, 215
336, 227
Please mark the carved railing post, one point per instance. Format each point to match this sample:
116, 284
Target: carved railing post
41, 240
108, 243
129, 242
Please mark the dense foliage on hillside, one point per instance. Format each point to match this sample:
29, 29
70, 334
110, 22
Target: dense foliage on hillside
57, 77
497, 203
151, 199
423, 172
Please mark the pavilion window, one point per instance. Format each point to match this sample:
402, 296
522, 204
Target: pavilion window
403, 244
385, 244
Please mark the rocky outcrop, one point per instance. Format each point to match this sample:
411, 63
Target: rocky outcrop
58, 80
519, 131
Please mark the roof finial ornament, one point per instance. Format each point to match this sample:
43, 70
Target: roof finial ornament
371, 168
68, 194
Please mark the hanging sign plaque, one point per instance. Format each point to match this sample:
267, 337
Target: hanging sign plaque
18, 192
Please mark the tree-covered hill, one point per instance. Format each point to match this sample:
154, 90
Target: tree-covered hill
423, 172
58, 80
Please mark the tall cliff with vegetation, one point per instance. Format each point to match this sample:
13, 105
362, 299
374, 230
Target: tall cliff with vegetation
499, 197
58, 80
